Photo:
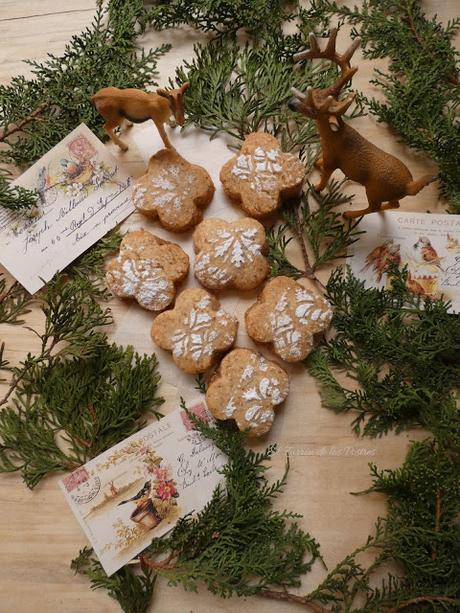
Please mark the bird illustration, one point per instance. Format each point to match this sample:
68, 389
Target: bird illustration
382, 257
452, 244
425, 254
71, 169
145, 512
143, 493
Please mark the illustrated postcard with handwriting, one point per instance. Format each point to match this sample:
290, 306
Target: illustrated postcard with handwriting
138, 489
82, 193
427, 244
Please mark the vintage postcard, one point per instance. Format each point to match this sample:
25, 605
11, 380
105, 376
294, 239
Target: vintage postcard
428, 244
138, 489
82, 194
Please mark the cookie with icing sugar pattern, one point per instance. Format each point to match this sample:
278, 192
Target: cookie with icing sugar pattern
147, 269
230, 254
287, 315
261, 176
247, 388
196, 330
173, 190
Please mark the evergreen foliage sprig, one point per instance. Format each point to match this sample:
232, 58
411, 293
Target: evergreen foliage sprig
401, 358
69, 410
133, 591
36, 113
223, 17
320, 232
237, 90
238, 544
421, 84
14, 302
79, 395
401, 353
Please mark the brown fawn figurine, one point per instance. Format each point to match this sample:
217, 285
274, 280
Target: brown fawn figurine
137, 106
385, 178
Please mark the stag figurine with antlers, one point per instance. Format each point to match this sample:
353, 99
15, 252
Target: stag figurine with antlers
385, 178
136, 106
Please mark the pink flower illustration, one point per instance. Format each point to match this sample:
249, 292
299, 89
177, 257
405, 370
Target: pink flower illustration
165, 490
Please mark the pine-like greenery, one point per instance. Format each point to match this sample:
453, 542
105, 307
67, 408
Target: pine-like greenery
402, 360
237, 90
403, 354
133, 591
222, 17
79, 395
319, 230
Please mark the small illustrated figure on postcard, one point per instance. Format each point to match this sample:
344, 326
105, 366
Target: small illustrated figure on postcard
138, 489
82, 193
427, 244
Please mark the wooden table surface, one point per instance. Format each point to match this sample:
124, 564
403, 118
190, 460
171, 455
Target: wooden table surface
38, 533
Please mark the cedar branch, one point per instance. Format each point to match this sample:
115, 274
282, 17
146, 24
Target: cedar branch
289, 597
422, 600
5, 133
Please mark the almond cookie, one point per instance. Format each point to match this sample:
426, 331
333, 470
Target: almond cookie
230, 254
196, 330
173, 190
287, 315
261, 176
246, 388
147, 269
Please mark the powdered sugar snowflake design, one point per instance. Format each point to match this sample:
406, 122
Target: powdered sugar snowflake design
167, 189
259, 169
145, 281
197, 333
287, 337
259, 396
230, 247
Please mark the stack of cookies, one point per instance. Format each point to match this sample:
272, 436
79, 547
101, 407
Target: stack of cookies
229, 255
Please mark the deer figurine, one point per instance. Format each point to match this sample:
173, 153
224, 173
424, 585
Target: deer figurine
385, 178
137, 106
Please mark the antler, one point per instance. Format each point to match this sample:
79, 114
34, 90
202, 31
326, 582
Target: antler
330, 53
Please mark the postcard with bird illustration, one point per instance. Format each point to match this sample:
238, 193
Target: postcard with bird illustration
81, 194
427, 244
138, 489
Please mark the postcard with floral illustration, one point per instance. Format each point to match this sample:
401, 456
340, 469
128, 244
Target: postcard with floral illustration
82, 193
427, 244
138, 489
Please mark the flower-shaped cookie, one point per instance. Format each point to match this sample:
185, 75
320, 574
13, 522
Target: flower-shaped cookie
173, 190
287, 315
246, 388
196, 330
147, 269
261, 175
230, 254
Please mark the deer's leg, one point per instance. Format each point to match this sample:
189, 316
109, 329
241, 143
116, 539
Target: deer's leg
373, 207
164, 136
392, 204
319, 163
325, 174
109, 126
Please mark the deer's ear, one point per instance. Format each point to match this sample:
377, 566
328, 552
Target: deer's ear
184, 87
163, 93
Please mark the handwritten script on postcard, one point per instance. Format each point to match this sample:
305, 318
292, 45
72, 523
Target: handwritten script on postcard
138, 489
82, 194
428, 244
